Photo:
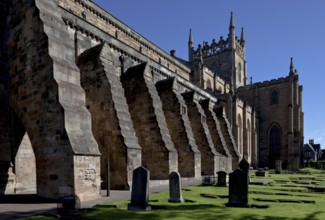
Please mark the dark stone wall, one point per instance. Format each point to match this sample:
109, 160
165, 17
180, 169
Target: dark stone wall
201, 134
111, 120
158, 153
175, 110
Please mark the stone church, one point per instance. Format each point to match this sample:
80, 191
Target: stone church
85, 99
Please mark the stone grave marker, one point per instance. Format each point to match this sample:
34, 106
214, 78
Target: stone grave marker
140, 189
244, 166
262, 172
175, 187
278, 166
238, 186
222, 178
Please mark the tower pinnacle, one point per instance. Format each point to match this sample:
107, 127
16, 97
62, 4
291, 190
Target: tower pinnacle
242, 38
190, 39
190, 47
292, 71
232, 23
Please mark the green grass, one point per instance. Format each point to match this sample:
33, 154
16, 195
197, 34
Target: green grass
199, 207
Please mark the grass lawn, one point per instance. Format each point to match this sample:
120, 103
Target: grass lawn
311, 206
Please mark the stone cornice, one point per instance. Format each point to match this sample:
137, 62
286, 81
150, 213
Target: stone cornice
100, 13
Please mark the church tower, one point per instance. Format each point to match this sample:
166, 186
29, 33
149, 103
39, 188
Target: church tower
224, 58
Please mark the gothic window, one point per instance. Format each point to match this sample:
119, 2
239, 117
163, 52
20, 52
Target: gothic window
274, 143
274, 98
248, 137
240, 133
239, 72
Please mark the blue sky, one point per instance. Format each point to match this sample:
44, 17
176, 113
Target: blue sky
275, 30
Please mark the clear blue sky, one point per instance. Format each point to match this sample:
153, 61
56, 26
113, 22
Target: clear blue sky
275, 30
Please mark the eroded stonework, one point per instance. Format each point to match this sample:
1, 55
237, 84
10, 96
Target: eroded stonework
85, 100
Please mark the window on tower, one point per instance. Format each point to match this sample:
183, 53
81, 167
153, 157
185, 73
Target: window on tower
274, 98
239, 73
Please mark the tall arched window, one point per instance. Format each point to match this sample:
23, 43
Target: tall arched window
274, 144
274, 97
249, 137
240, 134
239, 72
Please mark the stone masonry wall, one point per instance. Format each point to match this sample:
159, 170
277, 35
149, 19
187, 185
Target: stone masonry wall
226, 132
216, 135
175, 110
158, 153
25, 177
202, 135
46, 95
103, 20
269, 115
111, 121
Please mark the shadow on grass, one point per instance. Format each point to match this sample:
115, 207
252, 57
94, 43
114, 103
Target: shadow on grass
192, 211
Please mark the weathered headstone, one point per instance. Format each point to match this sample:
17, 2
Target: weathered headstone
175, 187
67, 205
238, 186
262, 172
208, 180
140, 190
222, 178
278, 166
244, 166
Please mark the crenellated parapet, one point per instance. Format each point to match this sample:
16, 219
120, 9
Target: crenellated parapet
264, 83
209, 50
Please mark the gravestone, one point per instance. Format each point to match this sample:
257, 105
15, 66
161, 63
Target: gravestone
244, 166
140, 190
262, 172
238, 186
278, 166
222, 178
175, 187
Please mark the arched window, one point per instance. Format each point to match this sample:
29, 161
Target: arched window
240, 134
274, 144
274, 97
248, 137
239, 72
